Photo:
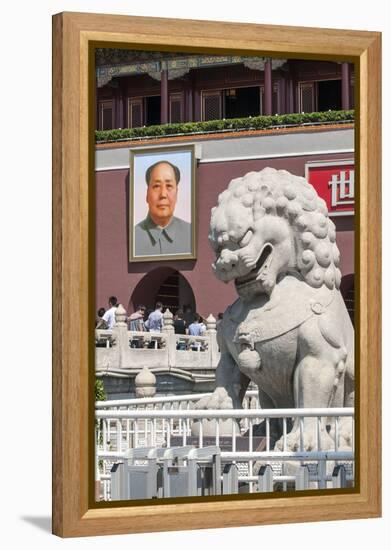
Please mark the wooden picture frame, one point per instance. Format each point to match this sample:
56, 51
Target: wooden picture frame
75, 36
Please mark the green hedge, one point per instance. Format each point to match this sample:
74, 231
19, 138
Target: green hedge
250, 123
100, 394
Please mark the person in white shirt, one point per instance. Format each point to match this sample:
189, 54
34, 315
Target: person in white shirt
109, 316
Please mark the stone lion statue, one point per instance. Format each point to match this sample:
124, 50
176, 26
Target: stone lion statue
289, 331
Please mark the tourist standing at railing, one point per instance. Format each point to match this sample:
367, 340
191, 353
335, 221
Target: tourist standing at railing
155, 319
136, 319
203, 327
197, 328
136, 324
180, 326
100, 323
109, 315
188, 315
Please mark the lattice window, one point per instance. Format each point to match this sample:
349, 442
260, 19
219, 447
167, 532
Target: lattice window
135, 113
106, 115
307, 97
176, 107
211, 105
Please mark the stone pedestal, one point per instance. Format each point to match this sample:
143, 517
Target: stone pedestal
226, 427
145, 383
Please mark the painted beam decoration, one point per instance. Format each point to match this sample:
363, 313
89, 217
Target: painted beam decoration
333, 180
177, 65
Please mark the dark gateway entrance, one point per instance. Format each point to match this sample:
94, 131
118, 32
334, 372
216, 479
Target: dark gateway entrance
152, 110
329, 95
165, 285
242, 102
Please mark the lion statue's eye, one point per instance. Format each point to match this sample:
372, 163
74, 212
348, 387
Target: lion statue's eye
246, 239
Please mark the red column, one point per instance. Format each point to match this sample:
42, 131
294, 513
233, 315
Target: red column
124, 110
197, 106
291, 97
119, 108
268, 87
164, 97
97, 113
123, 121
189, 105
345, 70
282, 107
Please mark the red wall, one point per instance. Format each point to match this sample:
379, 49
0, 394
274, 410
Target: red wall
116, 276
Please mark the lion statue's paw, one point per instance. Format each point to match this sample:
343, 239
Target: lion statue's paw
218, 400
309, 442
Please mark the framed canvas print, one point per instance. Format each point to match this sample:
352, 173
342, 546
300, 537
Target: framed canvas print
162, 221
217, 204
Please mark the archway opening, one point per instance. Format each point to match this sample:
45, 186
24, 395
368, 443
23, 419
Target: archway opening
166, 285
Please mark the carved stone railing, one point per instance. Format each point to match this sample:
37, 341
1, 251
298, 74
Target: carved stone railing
122, 352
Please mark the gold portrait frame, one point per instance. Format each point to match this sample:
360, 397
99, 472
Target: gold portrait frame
164, 151
75, 36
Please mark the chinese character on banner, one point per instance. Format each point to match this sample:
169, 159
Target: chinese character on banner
334, 182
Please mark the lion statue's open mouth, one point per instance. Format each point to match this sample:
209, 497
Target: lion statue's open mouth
260, 269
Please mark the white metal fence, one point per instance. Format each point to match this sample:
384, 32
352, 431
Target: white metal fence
163, 422
169, 402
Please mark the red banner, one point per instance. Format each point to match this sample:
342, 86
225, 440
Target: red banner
334, 182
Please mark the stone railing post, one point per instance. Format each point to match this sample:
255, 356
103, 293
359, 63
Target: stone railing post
145, 383
168, 329
212, 347
120, 332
